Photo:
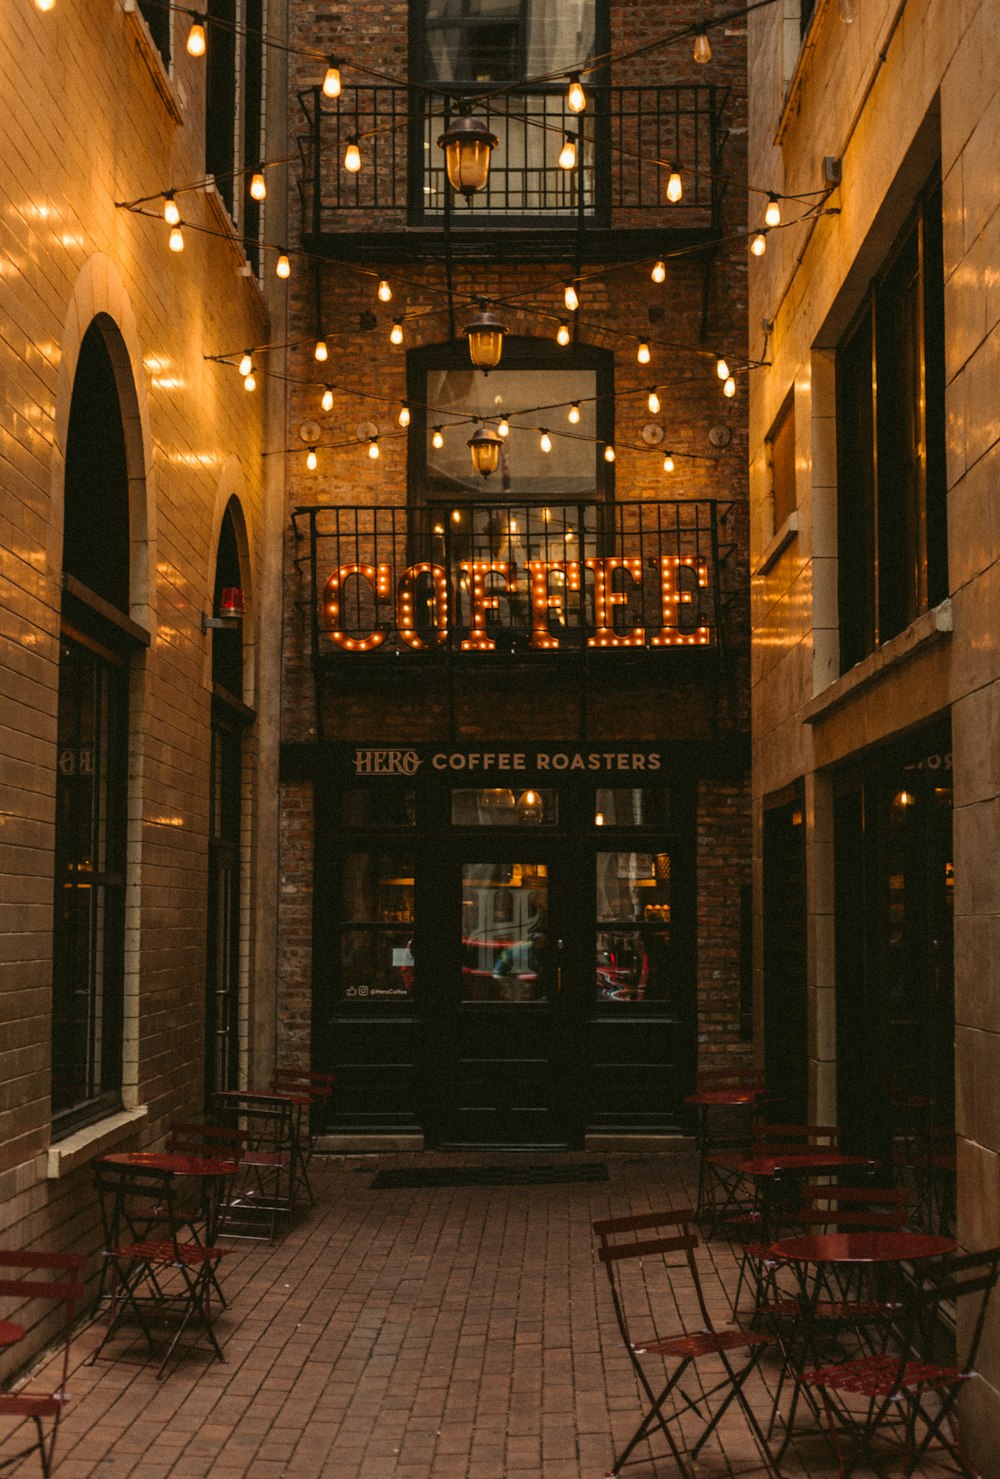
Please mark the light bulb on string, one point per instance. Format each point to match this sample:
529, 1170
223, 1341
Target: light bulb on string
609, 453
250, 382
772, 211
759, 244
576, 98
312, 461
176, 242
653, 403
503, 427
573, 414
668, 462
282, 267
327, 400
321, 354
171, 210
721, 368
702, 48
45, 5
246, 363
384, 291
545, 441
196, 43
331, 81
396, 332
729, 389
437, 440
659, 272
404, 414
567, 154
373, 449
258, 185
352, 157
675, 185
563, 334
642, 353
571, 297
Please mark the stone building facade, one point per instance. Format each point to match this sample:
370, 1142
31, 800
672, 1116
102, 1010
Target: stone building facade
873, 558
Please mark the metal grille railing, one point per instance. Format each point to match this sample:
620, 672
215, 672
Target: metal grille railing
627, 141
394, 580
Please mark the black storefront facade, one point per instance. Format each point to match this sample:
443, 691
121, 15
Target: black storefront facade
515, 774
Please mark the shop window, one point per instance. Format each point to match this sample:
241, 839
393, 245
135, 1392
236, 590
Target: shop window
376, 917
780, 447
632, 806
503, 806
633, 927
157, 17
506, 951
234, 100
890, 431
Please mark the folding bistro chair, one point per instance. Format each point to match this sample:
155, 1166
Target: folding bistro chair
59, 1277
622, 1254
154, 1275
319, 1089
264, 1186
905, 1400
729, 1102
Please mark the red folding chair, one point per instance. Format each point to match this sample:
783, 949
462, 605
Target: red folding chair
60, 1279
319, 1089
623, 1254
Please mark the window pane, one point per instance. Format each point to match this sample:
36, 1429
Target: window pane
633, 886
499, 806
376, 965
377, 888
632, 961
632, 806
781, 457
382, 805
505, 946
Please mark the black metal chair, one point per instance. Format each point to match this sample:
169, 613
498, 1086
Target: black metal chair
57, 1277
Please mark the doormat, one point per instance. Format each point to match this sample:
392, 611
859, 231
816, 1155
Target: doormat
489, 1176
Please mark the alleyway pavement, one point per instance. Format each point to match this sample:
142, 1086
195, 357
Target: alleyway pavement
443, 1333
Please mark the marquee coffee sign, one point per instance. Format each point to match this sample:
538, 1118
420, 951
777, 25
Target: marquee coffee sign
610, 601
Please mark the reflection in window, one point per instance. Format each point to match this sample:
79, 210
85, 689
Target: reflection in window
633, 935
504, 40
632, 806
505, 943
500, 806
376, 941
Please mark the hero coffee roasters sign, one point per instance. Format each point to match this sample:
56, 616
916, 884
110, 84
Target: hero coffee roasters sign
603, 602
402, 760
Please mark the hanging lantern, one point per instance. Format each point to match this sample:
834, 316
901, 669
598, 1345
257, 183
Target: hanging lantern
467, 144
485, 445
485, 333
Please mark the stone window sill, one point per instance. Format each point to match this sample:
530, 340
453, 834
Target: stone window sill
782, 539
170, 91
930, 627
93, 1141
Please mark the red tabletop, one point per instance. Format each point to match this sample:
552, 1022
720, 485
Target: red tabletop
710, 1097
862, 1247
263, 1096
802, 1160
10, 1332
175, 1161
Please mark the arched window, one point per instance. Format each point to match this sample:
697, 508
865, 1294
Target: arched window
98, 641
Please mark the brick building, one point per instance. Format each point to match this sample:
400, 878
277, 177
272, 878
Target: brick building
873, 440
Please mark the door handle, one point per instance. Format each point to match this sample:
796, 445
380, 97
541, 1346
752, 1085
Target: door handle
559, 948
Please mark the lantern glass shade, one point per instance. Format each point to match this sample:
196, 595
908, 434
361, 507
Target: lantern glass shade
485, 333
231, 601
468, 145
484, 446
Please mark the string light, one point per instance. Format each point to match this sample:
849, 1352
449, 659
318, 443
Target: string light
609, 453
312, 461
721, 368
331, 82
642, 353
321, 353
373, 451
384, 291
404, 414
503, 427
396, 332
772, 213
545, 441
576, 98
571, 297
437, 440
562, 333
668, 463
45, 5
196, 42
729, 389
653, 403
283, 267
567, 154
573, 414
659, 272
176, 238
759, 244
327, 401
702, 48
246, 363
171, 210
250, 382
675, 185
352, 157
258, 185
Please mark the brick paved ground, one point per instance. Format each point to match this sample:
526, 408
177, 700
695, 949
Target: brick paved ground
431, 1334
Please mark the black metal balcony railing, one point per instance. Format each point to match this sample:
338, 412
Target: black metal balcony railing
627, 140
516, 578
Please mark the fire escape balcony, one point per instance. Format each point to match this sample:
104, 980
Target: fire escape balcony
611, 207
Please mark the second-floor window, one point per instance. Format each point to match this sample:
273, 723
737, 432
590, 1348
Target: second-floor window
890, 434
234, 100
495, 41
158, 18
